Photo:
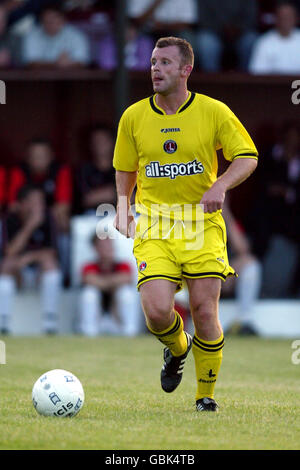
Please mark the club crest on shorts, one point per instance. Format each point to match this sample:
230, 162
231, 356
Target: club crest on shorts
170, 146
142, 265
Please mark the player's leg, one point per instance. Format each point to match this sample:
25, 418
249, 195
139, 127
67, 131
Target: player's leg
157, 298
208, 340
204, 267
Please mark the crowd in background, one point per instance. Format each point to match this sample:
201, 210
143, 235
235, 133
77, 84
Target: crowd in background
256, 36
39, 195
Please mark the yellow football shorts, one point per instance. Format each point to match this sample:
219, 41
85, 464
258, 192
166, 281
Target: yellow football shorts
175, 257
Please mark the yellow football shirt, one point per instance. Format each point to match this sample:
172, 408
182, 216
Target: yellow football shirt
175, 155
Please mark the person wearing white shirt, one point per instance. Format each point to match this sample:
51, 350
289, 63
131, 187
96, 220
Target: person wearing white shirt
54, 43
165, 17
278, 50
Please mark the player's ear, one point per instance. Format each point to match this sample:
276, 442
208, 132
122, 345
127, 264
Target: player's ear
187, 69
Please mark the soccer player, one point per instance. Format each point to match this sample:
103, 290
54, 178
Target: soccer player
167, 145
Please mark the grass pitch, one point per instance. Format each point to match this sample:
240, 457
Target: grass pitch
125, 408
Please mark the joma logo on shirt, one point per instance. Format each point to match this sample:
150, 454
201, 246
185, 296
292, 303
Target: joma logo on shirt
172, 170
170, 129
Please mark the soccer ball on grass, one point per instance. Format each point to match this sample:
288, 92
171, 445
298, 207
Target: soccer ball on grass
58, 393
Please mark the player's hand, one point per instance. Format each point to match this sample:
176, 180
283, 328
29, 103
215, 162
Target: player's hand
124, 222
213, 199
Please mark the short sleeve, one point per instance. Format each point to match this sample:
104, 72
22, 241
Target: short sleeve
125, 153
232, 136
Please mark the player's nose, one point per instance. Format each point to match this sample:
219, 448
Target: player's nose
155, 67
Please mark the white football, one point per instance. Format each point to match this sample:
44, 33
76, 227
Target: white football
58, 393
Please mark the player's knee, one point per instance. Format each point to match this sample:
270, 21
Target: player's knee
205, 316
158, 315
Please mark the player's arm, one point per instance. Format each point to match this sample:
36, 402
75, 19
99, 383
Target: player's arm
238, 171
238, 148
126, 164
124, 220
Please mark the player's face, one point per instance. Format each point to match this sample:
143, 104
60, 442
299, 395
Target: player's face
166, 69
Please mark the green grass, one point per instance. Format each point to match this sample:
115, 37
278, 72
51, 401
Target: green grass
257, 389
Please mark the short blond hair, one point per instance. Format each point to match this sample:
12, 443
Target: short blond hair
184, 47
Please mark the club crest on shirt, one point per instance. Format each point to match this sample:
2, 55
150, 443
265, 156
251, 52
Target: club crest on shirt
142, 265
170, 146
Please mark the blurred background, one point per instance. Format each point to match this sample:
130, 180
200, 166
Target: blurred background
70, 69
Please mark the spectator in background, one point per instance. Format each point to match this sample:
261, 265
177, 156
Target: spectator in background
3, 194
108, 300
20, 9
164, 17
9, 44
247, 286
94, 18
228, 27
278, 50
40, 168
30, 242
3, 188
138, 50
276, 214
53, 43
96, 181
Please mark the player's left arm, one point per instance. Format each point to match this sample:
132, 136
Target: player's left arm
237, 172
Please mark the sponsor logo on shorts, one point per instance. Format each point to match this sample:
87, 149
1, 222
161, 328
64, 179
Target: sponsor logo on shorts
172, 170
170, 146
142, 266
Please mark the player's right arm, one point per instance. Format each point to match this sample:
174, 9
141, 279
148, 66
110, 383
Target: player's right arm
124, 220
125, 163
